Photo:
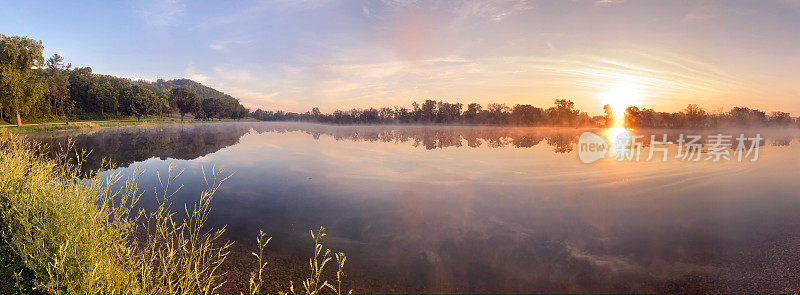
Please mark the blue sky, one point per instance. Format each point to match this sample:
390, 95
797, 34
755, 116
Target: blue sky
294, 54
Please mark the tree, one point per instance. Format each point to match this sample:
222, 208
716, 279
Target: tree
695, 115
744, 116
526, 115
781, 119
428, 110
104, 94
162, 103
18, 89
563, 113
448, 112
185, 100
212, 107
241, 112
608, 115
471, 114
59, 83
498, 113
138, 101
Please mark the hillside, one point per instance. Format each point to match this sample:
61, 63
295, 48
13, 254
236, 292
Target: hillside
202, 91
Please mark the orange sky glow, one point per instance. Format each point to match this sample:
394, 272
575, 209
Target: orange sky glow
295, 54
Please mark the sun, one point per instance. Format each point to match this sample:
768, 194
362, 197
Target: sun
620, 97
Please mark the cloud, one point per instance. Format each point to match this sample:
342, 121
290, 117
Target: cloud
666, 80
160, 13
365, 11
496, 10
191, 73
224, 44
252, 96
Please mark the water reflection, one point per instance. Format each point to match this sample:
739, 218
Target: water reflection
491, 210
124, 146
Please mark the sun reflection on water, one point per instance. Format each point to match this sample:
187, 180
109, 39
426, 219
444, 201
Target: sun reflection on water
618, 139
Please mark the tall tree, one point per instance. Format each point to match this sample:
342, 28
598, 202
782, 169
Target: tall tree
18, 90
59, 83
105, 95
185, 100
138, 101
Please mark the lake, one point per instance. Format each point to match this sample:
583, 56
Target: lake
441, 209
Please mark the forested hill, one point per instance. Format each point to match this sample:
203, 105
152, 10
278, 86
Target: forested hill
35, 89
203, 92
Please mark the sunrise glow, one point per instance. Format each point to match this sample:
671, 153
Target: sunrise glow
620, 97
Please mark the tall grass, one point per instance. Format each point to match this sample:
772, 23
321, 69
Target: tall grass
65, 234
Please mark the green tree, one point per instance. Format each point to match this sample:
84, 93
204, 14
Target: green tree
18, 90
59, 83
185, 100
162, 102
242, 112
138, 101
105, 95
81, 80
212, 107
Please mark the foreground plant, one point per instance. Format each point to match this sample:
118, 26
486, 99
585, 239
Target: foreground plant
314, 284
69, 233
175, 255
66, 232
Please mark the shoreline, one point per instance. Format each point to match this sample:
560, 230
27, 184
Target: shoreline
88, 125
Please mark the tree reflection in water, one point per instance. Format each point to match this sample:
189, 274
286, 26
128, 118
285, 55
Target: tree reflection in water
124, 146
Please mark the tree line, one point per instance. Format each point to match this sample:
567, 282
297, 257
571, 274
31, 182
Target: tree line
562, 113
33, 88
694, 116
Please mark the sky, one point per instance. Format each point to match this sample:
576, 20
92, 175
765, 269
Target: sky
294, 54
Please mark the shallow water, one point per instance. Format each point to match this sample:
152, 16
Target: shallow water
486, 209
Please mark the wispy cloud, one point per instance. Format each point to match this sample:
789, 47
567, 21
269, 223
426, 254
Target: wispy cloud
224, 44
665, 80
494, 10
160, 13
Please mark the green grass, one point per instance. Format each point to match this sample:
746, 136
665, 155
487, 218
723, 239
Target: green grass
62, 234
13, 129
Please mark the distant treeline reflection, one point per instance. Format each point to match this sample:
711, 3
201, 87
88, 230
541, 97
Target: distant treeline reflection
563, 140
124, 146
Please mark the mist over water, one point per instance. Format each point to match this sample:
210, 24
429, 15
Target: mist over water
486, 209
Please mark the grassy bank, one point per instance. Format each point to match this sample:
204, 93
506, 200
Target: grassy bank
61, 234
13, 129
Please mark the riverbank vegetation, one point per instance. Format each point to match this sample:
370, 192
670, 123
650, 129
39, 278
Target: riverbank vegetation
87, 125
34, 90
63, 234
562, 113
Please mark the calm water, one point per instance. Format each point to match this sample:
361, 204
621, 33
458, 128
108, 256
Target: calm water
482, 209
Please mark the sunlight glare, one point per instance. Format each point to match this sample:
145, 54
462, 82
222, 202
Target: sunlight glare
620, 97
